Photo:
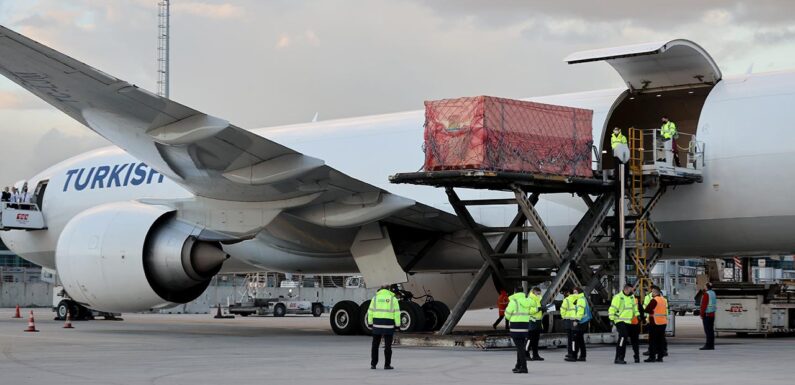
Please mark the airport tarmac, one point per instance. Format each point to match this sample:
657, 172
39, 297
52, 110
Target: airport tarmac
197, 349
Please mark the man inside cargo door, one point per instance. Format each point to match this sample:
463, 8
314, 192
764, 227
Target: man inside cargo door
669, 133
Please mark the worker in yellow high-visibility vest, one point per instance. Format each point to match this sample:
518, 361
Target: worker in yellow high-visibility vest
617, 138
535, 325
383, 316
621, 312
668, 132
518, 315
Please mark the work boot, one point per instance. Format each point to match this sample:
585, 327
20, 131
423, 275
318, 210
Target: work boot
659, 359
706, 348
619, 362
650, 359
570, 359
646, 353
581, 359
637, 359
372, 366
388, 367
520, 370
537, 358
665, 354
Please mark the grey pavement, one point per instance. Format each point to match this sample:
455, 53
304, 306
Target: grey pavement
197, 349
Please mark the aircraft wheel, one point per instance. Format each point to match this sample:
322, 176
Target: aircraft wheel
345, 318
412, 318
436, 313
363, 326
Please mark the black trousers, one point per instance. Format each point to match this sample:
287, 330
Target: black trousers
499, 319
579, 340
623, 335
535, 336
634, 337
387, 349
656, 341
520, 341
709, 330
571, 342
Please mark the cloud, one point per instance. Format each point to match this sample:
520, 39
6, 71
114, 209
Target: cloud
17, 100
212, 11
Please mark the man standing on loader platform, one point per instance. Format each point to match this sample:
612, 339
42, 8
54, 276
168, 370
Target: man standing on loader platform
384, 317
669, 133
622, 309
617, 138
518, 316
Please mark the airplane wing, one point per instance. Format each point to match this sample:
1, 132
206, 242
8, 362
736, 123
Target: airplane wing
207, 155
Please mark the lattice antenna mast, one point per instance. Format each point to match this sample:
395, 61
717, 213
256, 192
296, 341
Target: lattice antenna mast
163, 48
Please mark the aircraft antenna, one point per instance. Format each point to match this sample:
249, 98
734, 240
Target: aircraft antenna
162, 48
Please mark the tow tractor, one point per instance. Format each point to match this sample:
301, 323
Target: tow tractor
277, 307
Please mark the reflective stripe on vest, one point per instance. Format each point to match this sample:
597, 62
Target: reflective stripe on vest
712, 304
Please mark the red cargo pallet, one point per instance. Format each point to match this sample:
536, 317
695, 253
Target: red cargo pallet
489, 133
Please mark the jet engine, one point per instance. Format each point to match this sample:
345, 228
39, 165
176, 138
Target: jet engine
128, 256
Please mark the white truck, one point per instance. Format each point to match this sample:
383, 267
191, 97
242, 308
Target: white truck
277, 307
745, 308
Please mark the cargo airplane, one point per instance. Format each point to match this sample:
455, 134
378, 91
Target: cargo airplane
184, 195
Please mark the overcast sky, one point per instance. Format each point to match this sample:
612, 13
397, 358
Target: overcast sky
261, 63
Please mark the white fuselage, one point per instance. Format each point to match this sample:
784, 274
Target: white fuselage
743, 206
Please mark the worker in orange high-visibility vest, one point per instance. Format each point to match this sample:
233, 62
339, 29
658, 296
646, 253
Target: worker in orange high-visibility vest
502, 303
657, 311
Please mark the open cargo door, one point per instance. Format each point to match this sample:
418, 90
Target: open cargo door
654, 67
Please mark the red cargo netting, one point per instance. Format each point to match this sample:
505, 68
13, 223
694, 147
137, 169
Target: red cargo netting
489, 133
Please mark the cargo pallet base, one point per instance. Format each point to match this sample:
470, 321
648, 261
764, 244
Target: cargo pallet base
595, 231
491, 341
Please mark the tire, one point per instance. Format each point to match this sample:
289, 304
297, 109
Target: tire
412, 318
344, 319
436, 313
364, 328
243, 314
81, 313
682, 313
279, 310
63, 307
317, 309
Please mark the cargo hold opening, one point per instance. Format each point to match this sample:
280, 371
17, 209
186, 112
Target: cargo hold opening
645, 111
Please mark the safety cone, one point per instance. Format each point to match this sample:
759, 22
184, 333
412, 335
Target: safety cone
68, 323
17, 315
218, 313
31, 324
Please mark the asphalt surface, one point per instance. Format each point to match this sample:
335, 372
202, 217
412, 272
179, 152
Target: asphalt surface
197, 349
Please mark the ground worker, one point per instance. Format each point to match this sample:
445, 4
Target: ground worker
383, 316
617, 138
622, 310
581, 325
634, 330
646, 300
669, 133
535, 325
518, 315
502, 303
658, 321
709, 304
568, 312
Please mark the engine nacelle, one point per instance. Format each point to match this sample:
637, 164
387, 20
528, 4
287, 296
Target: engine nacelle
128, 256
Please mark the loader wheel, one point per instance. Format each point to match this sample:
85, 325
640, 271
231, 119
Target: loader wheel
345, 318
317, 309
279, 310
